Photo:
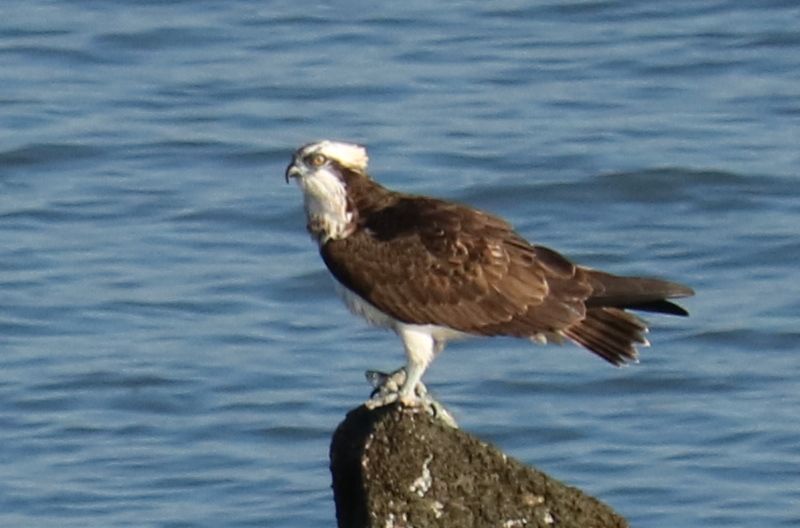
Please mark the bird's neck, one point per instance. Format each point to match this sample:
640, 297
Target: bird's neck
335, 210
329, 213
329, 220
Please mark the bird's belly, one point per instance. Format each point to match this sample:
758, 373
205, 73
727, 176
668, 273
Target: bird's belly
361, 307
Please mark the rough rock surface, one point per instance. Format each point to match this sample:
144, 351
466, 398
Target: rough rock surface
397, 467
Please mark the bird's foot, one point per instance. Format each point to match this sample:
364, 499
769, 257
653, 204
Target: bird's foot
388, 390
383, 382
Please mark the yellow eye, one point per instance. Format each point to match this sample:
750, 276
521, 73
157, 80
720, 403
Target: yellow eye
318, 160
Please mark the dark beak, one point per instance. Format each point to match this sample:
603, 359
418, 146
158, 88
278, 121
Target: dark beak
292, 172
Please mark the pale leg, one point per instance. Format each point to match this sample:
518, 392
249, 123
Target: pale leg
420, 351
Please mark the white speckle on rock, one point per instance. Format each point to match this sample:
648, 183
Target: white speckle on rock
423, 483
438, 509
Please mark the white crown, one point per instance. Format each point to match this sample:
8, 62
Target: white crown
348, 155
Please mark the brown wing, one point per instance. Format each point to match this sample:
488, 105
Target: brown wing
425, 261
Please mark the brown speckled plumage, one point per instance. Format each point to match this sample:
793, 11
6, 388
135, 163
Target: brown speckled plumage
428, 261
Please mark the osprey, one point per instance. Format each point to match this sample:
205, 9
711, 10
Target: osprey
433, 270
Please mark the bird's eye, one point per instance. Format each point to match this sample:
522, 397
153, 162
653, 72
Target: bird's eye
318, 160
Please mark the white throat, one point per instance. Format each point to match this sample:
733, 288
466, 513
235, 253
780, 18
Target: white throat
325, 201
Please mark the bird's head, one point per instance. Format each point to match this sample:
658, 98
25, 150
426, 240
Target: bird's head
330, 157
321, 170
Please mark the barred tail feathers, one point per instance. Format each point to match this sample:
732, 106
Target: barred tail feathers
611, 333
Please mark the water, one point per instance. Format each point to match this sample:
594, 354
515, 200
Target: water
173, 355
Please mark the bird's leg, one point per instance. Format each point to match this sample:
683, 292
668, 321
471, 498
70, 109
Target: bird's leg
420, 349
408, 391
405, 385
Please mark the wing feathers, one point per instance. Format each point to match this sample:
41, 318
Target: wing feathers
425, 261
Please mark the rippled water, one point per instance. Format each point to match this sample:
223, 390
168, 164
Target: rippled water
173, 355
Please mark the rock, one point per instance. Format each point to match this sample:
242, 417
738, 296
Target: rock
398, 467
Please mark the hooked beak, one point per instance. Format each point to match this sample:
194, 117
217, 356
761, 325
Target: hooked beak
292, 171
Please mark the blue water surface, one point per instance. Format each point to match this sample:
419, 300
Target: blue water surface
172, 354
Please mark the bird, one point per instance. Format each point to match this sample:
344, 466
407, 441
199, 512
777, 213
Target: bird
433, 270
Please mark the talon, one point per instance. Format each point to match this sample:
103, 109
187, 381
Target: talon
381, 400
411, 400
